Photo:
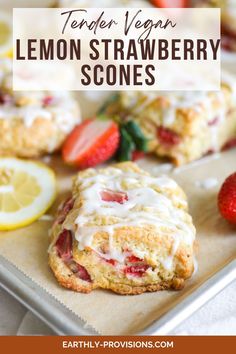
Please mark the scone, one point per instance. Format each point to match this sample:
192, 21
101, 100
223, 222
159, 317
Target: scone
182, 126
228, 24
33, 123
228, 20
122, 230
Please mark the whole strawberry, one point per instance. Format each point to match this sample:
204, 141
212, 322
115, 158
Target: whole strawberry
227, 199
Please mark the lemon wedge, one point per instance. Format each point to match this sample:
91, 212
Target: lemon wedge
27, 190
5, 35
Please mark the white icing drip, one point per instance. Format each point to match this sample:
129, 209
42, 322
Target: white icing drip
61, 111
145, 206
28, 106
113, 254
214, 137
196, 100
167, 263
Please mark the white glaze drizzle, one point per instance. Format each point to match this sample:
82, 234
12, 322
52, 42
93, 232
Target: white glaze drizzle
145, 206
198, 101
62, 110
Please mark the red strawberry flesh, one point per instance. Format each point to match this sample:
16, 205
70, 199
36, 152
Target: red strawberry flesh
133, 259
136, 155
170, 3
79, 271
227, 199
113, 196
66, 207
64, 251
136, 270
168, 137
64, 245
111, 261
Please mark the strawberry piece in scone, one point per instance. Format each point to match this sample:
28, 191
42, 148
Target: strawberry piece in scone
64, 245
113, 196
168, 137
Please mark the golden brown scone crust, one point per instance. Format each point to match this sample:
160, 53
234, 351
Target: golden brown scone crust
69, 281
42, 137
135, 239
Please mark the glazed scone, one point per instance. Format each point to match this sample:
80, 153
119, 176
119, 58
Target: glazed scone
123, 230
33, 123
182, 126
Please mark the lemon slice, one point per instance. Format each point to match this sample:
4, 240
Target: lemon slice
5, 35
27, 190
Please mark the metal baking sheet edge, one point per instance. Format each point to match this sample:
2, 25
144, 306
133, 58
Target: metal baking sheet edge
64, 322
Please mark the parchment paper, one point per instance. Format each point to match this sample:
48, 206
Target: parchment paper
109, 313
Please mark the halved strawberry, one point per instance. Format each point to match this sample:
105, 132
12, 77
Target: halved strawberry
113, 196
170, 3
137, 270
64, 245
168, 137
92, 142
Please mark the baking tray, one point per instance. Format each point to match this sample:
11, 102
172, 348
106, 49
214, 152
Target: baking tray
64, 322
216, 258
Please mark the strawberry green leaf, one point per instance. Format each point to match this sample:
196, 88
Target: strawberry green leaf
126, 147
137, 135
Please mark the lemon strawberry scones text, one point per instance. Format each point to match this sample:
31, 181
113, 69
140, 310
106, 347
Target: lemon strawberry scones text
183, 126
33, 123
123, 230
